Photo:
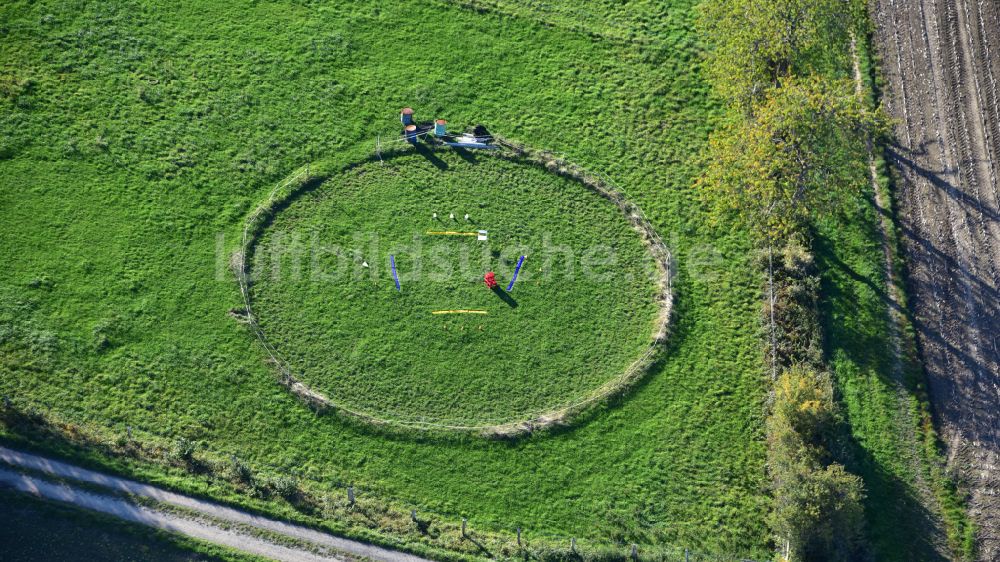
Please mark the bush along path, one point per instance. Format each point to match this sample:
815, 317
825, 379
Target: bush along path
208, 521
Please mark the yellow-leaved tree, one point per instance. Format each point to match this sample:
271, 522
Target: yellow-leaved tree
803, 151
757, 43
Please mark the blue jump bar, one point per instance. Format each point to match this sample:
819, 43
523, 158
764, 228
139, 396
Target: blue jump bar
395, 276
516, 271
472, 145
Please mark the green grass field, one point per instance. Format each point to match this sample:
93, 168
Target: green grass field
113, 311
135, 137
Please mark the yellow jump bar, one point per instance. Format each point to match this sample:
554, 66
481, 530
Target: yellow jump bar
458, 312
451, 233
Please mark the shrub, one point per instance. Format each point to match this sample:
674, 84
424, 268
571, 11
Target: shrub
183, 450
803, 407
796, 258
240, 471
818, 511
285, 486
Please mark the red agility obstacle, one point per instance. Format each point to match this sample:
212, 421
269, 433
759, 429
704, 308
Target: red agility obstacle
490, 279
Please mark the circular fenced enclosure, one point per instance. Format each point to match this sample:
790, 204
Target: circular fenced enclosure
583, 320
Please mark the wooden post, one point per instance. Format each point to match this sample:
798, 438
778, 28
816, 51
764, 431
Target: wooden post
687, 555
413, 515
128, 428
465, 523
770, 306
635, 552
350, 495
519, 537
572, 544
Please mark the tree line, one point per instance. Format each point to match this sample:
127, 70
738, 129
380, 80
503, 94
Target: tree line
789, 150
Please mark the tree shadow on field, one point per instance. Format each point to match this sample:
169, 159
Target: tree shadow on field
897, 522
893, 505
464, 154
428, 153
828, 260
482, 547
505, 296
905, 158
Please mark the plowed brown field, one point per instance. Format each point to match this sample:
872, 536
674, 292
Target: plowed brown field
941, 59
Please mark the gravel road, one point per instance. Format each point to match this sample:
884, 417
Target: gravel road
941, 60
199, 529
128, 511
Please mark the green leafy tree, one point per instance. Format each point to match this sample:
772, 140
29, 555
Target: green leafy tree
803, 151
757, 43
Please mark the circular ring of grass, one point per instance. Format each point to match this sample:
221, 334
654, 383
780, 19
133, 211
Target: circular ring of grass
315, 275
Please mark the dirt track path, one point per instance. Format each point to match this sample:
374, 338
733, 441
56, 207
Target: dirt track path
200, 529
941, 59
128, 511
